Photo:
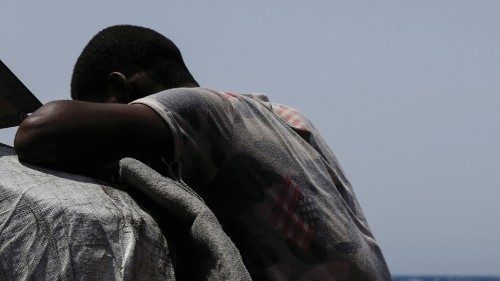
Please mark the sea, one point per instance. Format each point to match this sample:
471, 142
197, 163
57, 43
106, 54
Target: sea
445, 278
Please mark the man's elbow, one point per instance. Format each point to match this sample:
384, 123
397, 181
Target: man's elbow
26, 141
32, 138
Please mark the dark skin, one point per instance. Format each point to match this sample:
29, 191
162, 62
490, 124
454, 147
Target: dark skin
83, 136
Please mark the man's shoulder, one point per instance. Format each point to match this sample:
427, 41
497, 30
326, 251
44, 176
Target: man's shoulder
187, 95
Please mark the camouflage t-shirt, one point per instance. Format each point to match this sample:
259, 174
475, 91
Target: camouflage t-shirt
273, 183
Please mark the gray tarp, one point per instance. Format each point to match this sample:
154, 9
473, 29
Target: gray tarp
59, 226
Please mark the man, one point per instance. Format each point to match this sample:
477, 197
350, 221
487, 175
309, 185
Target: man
262, 167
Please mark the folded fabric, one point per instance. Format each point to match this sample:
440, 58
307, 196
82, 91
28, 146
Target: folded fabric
220, 259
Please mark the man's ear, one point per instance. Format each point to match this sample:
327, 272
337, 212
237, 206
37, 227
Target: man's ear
118, 88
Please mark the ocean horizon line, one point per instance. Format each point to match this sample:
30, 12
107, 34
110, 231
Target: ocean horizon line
444, 277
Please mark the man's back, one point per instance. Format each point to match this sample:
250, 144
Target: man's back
274, 184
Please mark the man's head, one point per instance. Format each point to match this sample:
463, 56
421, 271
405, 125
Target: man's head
124, 62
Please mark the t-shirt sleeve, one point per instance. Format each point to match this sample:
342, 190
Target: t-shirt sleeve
201, 123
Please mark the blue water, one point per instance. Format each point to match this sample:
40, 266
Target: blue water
444, 278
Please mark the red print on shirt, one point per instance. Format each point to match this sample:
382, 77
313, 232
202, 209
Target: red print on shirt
286, 220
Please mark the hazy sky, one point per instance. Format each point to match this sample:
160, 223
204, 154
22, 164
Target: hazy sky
407, 93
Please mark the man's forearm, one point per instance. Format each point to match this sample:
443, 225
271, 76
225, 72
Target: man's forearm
81, 135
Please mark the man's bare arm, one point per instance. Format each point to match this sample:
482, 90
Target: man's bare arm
76, 135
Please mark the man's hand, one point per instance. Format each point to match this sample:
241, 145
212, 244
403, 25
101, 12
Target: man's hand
80, 136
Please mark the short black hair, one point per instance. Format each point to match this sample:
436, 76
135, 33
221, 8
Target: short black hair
127, 49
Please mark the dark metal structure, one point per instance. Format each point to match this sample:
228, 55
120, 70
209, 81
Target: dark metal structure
16, 101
